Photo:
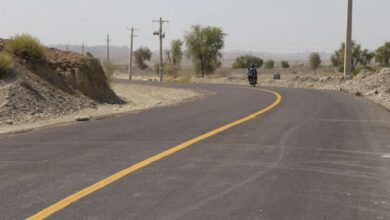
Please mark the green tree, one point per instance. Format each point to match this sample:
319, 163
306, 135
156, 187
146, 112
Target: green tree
176, 52
204, 45
285, 64
359, 56
141, 55
246, 61
382, 54
315, 61
367, 57
270, 64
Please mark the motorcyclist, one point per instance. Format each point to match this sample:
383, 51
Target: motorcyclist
252, 75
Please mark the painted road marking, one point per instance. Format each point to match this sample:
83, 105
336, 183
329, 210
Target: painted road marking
117, 176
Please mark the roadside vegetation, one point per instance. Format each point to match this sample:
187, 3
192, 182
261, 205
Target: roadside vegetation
109, 71
205, 54
26, 47
315, 61
5, 63
360, 56
285, 64
270, 64
382, 55
142, 55
175, 56
246, 61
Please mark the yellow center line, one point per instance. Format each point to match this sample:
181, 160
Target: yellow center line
115, 177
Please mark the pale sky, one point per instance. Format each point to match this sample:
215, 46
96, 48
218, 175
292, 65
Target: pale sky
258, 25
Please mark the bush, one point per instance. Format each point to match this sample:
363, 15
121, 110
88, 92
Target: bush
26, 47
340, 68
109, 71
285, 64
141, 55
247, 61
270, 64
315, 61
5, 63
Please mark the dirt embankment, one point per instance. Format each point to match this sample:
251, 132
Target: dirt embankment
63, 82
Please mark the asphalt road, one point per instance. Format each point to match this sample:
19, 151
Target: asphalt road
317, 155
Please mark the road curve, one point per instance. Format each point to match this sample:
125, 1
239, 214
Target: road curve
317, 155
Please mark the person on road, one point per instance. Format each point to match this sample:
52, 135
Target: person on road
252, 75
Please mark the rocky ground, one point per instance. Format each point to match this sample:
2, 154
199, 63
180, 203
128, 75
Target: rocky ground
61, 83
136, 97
65, 86
373, 86
25, 97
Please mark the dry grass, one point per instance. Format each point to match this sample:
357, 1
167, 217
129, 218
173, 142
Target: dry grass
27, 47
181, 77
5, 63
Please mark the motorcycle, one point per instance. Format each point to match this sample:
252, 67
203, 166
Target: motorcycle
252, 81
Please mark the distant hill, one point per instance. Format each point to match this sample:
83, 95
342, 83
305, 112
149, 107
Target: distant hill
120, 54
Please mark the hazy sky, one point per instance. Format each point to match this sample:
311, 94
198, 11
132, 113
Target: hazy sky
258, 25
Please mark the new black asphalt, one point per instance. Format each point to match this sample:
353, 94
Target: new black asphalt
317, 155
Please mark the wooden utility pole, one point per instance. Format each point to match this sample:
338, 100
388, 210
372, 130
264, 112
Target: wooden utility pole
161, 37
131, 52
108, 50
348, 42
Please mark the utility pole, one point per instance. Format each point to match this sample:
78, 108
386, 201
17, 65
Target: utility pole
161, 37
108, 50
131, 51
348, 42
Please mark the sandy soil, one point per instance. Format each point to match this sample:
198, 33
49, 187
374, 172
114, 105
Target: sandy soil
138, 97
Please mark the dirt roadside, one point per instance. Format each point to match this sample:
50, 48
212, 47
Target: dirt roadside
138, 98
372, 86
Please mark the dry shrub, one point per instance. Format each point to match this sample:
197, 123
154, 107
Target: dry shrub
181, 77
27, 47
5, 63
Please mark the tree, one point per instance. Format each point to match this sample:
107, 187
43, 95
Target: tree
141, 55
285, 64
382, 54
366, 57
359, 56
176, 52
204, 46
270, 64
315, 61
247, 61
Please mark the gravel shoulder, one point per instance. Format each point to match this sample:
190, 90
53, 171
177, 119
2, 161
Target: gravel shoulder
137, 97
